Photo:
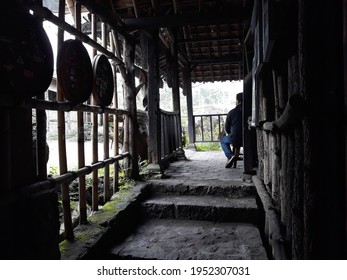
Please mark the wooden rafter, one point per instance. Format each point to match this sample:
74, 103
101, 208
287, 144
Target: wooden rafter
135, 8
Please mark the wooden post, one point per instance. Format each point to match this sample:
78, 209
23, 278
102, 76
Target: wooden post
62, 144
115, 122
95, 158
41, 130
176, 95
345, 104
106, 132
298, 201
249, 141
187, 91
80, 141
130, 105
153, 98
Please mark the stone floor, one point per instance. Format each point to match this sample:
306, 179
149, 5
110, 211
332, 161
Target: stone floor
205, 166
202, 210
192, 240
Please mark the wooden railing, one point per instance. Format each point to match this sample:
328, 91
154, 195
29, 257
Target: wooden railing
208, 128
66, 176
170, 134
61, 182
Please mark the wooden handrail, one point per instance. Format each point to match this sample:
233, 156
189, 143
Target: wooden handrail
54, 182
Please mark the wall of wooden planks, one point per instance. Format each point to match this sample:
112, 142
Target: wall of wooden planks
301, 151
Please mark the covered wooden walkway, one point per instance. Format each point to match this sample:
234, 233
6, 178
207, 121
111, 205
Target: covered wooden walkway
198, 210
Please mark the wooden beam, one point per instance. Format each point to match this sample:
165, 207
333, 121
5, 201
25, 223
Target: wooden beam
175, 4
220, 60
230, 16
207, 39
135, 8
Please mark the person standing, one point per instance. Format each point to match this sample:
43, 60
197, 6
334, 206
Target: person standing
233, 128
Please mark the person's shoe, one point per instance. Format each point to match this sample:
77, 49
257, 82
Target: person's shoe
230, 162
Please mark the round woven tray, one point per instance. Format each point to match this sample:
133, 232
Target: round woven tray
26, 56
103, 81
74, 71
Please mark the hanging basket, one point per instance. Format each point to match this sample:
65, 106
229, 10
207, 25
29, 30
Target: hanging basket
103, 81
74, 71
26, 56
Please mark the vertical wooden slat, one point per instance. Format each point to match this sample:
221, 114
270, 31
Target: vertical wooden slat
187, 91
202, 129
95, 158
115, 120
106, 132
41, 129
153, 99
211, 129
80, 141
130, 92
62, 144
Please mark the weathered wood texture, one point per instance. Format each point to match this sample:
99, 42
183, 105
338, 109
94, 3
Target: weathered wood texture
272, 222
130, 105
153, 98
62, 144
302, 165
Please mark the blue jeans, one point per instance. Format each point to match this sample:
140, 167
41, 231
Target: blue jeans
225, 144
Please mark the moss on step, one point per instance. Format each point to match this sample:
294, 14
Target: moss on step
87, 236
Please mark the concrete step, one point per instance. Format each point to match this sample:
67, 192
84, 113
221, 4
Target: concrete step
207, 208
183, 240
230, 188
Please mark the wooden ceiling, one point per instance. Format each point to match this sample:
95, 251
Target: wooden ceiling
209, 34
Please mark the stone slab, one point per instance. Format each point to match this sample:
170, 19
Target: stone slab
185, 240
208, 208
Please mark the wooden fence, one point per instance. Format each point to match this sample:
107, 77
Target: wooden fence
208, 128
61, 106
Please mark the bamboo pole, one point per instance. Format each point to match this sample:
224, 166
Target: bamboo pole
95, 157
106, 131
62, 144
129, 56
48, 15
67, 107
115, 121
41, 129
80, 140
52, 183
272, 222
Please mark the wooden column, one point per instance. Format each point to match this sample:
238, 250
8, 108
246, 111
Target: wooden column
62, 144
345, 104
130, 105
95, 138
80, 141
249, 141
187, 91
153, 98
106, 131
115, 186
176, 95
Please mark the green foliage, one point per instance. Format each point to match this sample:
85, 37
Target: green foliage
210, 146
53, 170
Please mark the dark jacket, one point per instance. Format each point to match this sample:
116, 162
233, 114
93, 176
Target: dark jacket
233, 126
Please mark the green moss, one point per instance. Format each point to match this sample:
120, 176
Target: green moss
208, 146
64, 246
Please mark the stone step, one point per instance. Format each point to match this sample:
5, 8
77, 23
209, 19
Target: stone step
183, 240
208, 208
230, 188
